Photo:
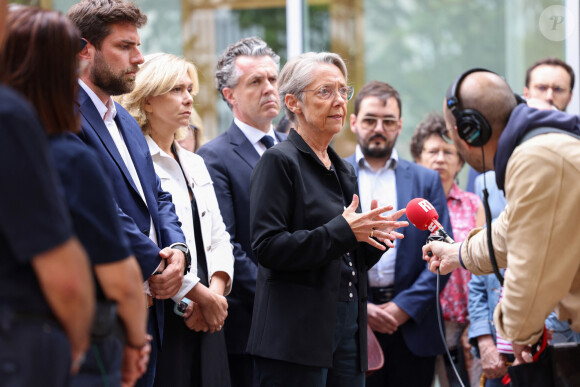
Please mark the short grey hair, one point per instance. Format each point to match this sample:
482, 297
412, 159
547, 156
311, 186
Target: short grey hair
227, 74
296, 75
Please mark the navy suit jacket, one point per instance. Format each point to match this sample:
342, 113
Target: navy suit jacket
230, 159
135, 214
414, 284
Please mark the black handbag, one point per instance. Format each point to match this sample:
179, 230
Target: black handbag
556, 366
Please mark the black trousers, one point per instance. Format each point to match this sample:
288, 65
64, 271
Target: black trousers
33, 352
188, 358
242, 370
345, 370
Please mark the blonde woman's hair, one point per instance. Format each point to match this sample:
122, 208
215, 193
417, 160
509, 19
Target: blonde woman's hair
158, 75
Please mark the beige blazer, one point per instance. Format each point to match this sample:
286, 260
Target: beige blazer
537, 237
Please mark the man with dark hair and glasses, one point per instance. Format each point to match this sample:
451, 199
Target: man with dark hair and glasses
551, 80
401, 310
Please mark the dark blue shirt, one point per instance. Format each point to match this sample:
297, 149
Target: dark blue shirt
87, 193
33, 218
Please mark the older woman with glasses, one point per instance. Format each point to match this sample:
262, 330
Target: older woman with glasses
430, 149
313, 245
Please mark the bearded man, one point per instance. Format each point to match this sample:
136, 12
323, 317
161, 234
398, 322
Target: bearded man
401, 309
110, 58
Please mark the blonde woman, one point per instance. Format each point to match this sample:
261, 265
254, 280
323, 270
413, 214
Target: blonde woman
193, 351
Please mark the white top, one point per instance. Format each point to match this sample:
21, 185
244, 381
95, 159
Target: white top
255, 135
382, 186
216, 240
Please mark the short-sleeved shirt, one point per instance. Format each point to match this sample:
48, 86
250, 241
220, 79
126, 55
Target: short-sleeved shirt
33, 218
87, 193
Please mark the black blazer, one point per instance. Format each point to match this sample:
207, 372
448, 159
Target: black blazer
299, 235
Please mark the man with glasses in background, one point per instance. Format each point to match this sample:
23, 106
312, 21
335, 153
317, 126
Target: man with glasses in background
551, 80
402, 309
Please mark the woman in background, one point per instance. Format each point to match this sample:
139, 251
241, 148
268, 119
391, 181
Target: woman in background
193, 351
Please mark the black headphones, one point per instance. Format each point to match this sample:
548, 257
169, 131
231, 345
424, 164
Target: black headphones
472, 127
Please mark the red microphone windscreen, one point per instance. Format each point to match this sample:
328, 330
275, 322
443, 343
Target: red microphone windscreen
423, 215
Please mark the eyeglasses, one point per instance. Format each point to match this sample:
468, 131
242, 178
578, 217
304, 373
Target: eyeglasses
83, 44
556, 90
389, 124
434, 152
326, 92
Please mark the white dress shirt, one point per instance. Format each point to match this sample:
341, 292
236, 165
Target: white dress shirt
255, 135
216, 240
382, 186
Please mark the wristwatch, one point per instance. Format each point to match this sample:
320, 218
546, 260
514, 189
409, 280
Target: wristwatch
183, 247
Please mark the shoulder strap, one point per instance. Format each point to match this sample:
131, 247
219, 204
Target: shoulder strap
543, 130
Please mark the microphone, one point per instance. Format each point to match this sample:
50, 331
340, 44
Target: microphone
424, 216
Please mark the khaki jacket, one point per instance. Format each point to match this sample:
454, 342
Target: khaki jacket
536, 237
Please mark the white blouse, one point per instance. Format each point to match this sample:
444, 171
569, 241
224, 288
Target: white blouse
216, 240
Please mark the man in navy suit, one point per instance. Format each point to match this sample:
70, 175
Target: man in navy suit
246, 76
402, 309
147, 213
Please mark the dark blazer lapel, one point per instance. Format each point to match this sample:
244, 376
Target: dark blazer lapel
123, 121
91, 114
242, 146
352, 161
404, 183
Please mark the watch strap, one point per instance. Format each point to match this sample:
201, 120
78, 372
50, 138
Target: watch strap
183, 247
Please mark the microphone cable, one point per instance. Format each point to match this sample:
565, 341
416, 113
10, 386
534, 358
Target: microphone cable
440, 316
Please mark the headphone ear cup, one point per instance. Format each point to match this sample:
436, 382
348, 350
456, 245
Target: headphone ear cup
472, 127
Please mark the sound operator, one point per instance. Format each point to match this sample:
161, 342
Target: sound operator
535, 237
